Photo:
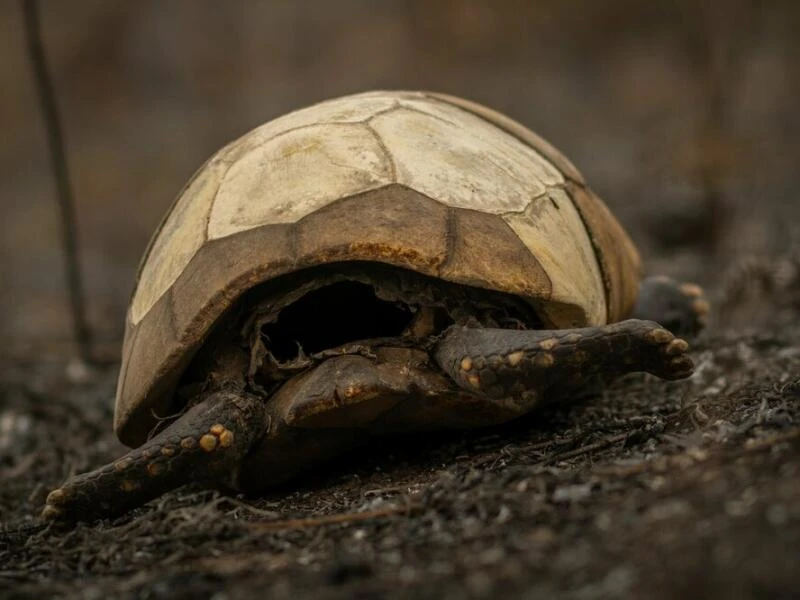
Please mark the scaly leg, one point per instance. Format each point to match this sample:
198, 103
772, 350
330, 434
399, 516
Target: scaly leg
529, 364
207, 443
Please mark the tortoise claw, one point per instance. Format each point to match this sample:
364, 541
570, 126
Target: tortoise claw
668, 356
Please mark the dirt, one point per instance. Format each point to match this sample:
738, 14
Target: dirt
646, 489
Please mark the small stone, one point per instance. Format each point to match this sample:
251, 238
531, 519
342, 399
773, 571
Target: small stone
79, 372
777, 514
572, 493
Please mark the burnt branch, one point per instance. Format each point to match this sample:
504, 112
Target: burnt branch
58, 164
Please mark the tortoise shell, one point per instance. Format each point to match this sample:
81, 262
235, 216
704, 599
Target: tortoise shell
429, 182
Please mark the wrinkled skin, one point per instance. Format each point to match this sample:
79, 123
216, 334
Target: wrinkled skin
469, 377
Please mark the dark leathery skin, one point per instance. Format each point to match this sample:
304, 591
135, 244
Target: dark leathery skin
499, 362
680, 307
207, 443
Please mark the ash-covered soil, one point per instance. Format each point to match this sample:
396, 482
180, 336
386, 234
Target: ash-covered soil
648, 489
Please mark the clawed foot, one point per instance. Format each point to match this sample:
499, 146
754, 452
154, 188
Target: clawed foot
508, 363
681, 308
665, 355
206, 444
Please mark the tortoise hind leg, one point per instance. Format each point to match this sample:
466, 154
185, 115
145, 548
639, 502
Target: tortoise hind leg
510, 363
680, 307
207, 443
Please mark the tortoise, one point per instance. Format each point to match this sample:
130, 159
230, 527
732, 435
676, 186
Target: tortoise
380, 263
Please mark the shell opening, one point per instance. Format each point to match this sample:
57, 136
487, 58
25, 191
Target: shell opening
334, 315
295, 322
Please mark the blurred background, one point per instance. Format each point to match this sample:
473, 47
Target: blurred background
681, 114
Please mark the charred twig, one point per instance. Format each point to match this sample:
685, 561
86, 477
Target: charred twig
18, 535
58, 163
336, 519
757, 445
394, 489
714, 46
604, 443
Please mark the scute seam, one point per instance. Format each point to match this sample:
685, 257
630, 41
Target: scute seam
419, 111
216, 157
601, 263
387, 153
294, 242
213, 203
151, 242
451, 238
548, 188
536, 150
286, 132
173, 313
383, 111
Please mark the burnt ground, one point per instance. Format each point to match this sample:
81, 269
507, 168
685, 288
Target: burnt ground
647, 489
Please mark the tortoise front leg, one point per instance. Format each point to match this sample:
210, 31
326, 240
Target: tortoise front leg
525, 364
207, 443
